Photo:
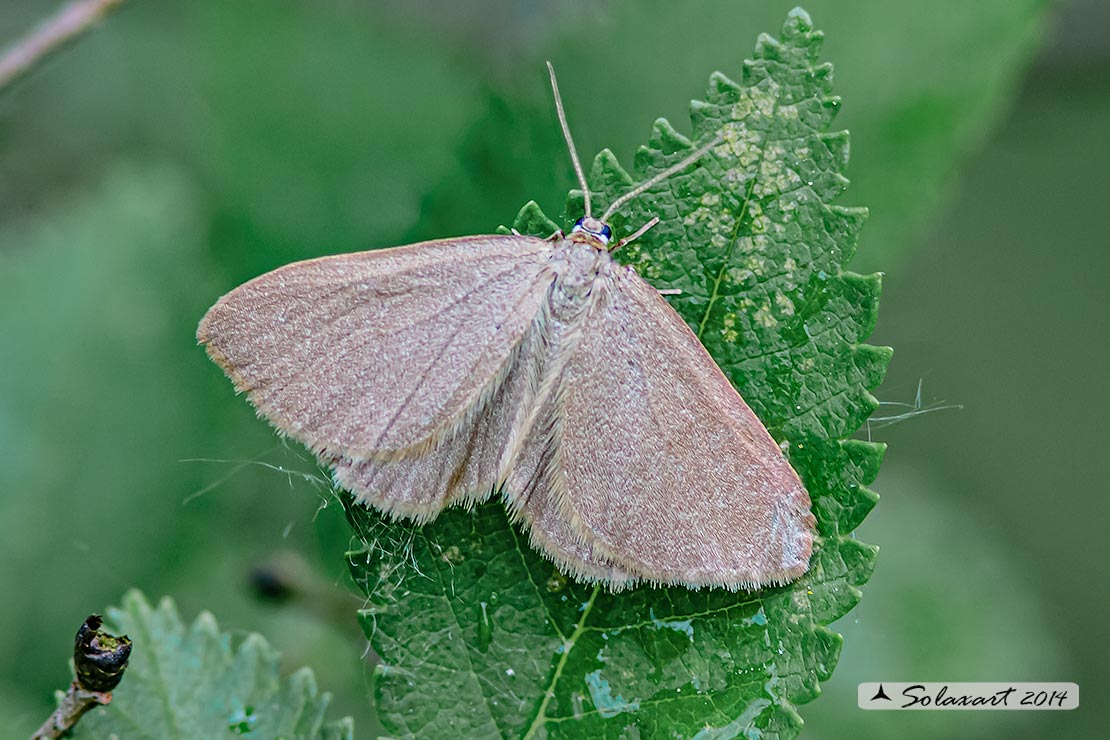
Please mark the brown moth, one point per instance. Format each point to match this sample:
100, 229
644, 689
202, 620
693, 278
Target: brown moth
441, 373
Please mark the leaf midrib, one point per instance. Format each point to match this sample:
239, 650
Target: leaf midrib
549, 694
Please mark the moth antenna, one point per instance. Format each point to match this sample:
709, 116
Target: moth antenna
652, 182
570, 142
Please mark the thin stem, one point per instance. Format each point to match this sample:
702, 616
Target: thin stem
570, 142
648, 184
70, 22
74, 705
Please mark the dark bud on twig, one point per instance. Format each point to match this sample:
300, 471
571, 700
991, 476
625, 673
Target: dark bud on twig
99, 658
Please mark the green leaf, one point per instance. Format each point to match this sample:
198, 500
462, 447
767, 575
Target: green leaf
480, 636
188, 682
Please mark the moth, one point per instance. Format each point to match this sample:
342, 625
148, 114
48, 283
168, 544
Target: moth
539, 370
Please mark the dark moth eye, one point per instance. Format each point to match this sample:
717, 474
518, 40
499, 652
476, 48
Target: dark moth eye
606, 232
578, 223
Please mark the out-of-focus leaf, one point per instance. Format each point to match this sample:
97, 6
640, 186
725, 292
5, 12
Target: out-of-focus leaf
480, 636
952, 600
288, 116
188, 682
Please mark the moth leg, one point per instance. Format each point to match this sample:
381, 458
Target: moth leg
635, 235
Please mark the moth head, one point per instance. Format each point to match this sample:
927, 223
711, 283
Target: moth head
595, 232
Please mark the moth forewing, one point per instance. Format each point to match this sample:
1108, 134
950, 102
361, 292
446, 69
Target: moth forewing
379, 353
664, 464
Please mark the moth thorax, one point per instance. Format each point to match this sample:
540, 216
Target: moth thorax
592, 231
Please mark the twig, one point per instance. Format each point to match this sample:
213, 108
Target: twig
73, 706
99, 660
70, 22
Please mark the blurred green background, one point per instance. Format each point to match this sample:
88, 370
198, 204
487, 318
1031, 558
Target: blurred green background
188, 145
